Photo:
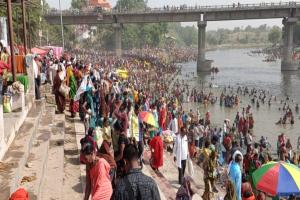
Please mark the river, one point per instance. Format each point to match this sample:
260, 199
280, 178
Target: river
238, 68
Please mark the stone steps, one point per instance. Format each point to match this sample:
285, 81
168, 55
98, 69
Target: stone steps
53, 182
18, 153
36, 166
45, 166
72, 177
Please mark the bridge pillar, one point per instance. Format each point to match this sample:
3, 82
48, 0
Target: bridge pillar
203, 65
287, 62
118, 39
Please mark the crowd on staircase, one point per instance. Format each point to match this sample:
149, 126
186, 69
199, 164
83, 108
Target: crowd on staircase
132, 104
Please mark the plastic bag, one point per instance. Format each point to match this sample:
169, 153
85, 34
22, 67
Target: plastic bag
64, 90
7, 104
98, 136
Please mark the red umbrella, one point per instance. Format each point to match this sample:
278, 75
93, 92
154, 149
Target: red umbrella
148, 118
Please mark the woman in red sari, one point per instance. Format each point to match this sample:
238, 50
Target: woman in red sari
98, 183
156, 147
163, 117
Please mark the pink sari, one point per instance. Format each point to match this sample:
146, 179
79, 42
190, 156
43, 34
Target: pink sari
100, 180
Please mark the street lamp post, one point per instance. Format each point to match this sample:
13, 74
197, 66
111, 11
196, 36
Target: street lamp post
11, 39
29, 36
24, 26
62, 27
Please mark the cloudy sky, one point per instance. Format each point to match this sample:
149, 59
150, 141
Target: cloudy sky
210, 25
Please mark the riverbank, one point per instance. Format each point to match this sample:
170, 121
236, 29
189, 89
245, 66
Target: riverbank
237, 46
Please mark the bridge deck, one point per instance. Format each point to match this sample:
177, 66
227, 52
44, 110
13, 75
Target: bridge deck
178, 14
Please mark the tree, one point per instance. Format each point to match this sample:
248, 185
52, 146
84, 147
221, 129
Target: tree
34, 21
236, 29
262, 27
138, 35
131, 5
211, 38
274, 35
78, 4
248, 28
184, 35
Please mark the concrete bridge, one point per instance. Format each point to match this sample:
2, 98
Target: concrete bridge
288, 11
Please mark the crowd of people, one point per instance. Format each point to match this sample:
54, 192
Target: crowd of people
109, 104
110, 94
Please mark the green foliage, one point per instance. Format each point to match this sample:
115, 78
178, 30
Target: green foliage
32, 13
139, 35
274, 35
249, 35
187, 36
212, 39
131, 5
78, 4
34, 23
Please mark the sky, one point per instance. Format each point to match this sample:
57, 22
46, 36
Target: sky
210, 25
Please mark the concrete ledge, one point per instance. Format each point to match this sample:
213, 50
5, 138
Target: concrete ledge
17, 155
12, 125
53, 179
37, 163
289, 66
79, 129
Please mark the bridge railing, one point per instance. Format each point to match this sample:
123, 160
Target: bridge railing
182, 8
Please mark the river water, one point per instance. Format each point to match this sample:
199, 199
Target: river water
238, 68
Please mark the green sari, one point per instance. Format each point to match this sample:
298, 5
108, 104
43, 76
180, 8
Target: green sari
72, 85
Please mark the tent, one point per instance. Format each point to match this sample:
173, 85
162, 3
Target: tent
39, 51
57, 51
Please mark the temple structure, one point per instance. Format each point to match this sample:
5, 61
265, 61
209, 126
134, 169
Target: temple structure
99, 3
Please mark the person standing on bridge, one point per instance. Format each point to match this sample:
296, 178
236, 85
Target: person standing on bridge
180, 152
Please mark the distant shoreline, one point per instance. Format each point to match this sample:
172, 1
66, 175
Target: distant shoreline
236, 46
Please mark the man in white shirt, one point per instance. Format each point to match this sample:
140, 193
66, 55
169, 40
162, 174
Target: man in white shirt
37, 77
180, 152
173, 126
196, 132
